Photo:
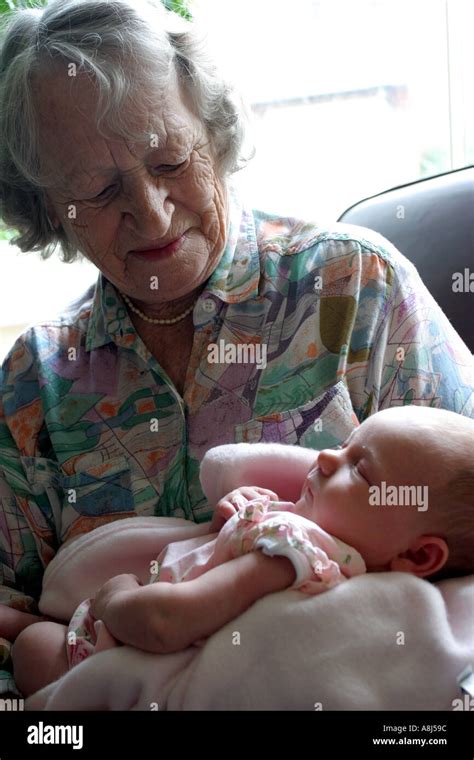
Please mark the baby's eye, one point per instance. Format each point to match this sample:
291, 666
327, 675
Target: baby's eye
359, 472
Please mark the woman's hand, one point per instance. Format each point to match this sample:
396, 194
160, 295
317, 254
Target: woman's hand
13, 621
233, 501
107, 604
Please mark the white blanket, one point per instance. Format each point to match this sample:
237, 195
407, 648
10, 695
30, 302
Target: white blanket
385, 641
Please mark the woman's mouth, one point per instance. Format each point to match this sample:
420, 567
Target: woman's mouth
154, 254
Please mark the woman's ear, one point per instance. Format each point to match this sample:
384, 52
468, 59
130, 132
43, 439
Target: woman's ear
426, 555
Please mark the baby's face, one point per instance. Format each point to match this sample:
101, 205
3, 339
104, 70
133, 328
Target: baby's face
337, 493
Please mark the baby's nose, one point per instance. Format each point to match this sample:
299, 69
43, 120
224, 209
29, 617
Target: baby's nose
328, 461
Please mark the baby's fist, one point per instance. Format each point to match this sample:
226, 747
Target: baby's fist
235, 500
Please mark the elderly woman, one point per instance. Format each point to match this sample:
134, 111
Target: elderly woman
209, 323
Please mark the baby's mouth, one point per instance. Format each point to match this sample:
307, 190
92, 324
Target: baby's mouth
308, 495
285, 506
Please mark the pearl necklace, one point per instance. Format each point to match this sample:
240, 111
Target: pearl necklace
157, 321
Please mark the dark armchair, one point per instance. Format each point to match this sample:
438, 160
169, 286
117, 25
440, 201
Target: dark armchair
431, 222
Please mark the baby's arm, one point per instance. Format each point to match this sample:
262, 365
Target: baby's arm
269, 465
168, 617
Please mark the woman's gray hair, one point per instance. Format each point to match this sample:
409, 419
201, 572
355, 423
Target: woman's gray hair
103, 38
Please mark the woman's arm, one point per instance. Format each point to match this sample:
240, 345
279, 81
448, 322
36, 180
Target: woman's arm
20, 536
427, 350
268, 465
168, 617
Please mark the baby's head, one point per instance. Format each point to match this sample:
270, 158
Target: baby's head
400, 490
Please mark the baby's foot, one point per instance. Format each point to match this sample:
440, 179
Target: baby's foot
105, 640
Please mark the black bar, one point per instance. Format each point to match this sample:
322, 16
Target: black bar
129, 735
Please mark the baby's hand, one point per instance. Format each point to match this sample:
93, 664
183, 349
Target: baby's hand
233, 501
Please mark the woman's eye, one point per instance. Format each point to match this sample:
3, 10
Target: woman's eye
169, 167
105, 193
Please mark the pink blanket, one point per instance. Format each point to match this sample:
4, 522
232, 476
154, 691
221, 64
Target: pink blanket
385, 641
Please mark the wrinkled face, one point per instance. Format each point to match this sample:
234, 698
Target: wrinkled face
336, 492
113, 197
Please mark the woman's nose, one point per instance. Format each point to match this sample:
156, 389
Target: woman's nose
150, 207
329, 461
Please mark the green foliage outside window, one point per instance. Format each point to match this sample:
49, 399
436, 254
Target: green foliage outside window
178, 6
10, 5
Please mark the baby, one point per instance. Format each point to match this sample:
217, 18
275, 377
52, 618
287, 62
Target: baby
398, 495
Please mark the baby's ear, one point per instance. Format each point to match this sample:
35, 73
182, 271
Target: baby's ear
426, 555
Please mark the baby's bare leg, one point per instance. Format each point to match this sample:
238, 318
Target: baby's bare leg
39, 656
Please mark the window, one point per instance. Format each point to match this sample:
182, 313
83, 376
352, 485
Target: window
32, 289
349, 98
